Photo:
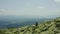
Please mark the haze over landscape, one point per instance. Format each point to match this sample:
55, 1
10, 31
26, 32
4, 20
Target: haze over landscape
16, 12
20, 11
29, 16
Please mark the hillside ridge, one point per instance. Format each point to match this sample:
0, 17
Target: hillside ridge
47, 27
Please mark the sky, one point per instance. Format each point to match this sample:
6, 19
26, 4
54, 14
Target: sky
42, 8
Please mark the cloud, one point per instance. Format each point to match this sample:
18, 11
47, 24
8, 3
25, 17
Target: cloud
40, 7
58, 1
2, 9
2, 12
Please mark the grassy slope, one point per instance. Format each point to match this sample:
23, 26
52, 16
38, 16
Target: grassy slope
48, 27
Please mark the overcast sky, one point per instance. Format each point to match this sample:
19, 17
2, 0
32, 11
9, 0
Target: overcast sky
30, 7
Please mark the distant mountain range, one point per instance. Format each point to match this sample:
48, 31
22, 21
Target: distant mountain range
17, 21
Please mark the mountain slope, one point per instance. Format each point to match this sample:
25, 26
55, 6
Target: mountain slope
47, 27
